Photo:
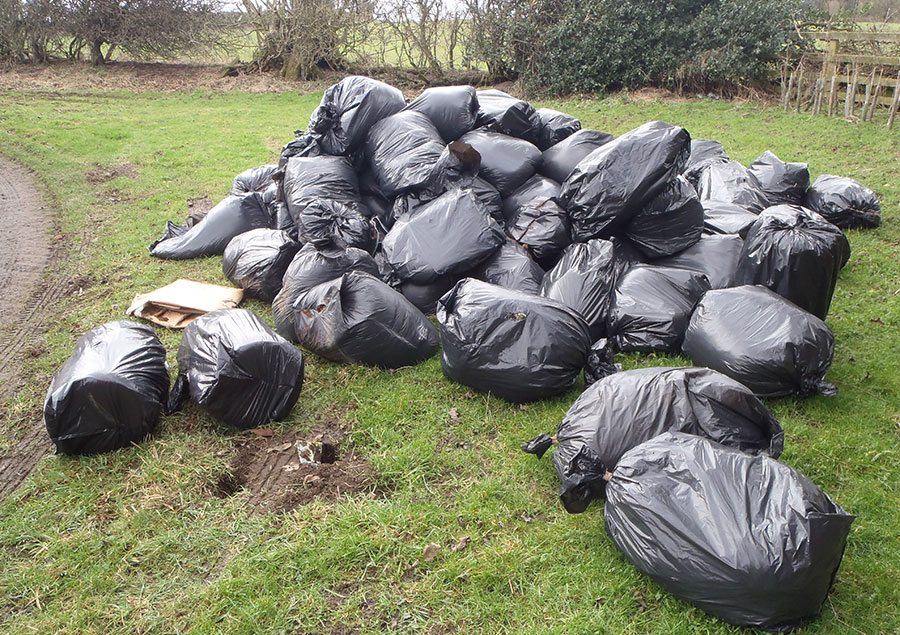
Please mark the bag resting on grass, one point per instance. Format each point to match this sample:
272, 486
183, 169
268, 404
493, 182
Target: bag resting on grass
256, 261
843, 201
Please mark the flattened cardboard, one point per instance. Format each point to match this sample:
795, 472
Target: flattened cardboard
178, 304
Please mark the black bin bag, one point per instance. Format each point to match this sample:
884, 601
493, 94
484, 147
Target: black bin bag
506, 162
555, 126
716, 257
504, 113
670, 222
231, 217
731, 182
402, 152
238, 369
253, 180
610, 185
110, 392
558, 161
722, 217
536, 187
309, 180
518, 346
797, 254
452, 109
451, 234
542, 227
256, 261
781, 182
622, 411
843, 201
359, 319
767, 343
511, 267
349, 109
425, 296
309, 268
703, 152
744, 538
327, 223
652, 306
584, 280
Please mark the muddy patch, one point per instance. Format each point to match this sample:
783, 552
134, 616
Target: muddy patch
285, 469
104, 173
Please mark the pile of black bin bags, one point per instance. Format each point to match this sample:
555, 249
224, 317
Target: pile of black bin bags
544, 249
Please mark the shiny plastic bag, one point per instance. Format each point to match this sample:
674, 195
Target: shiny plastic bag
558, 161
452, 109
506, 162
845, 202
781, 182
671, 222
256, 261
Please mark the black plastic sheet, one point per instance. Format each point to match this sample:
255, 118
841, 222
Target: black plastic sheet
652, 306
309, 268
504, 113
745, 538
721, 217
256, 261
231, 217
536, 187
797, 254
671, 222
452, 109
542, 227
622, 411
518, 346
357, 318
845, 202
253, 180
609, 186
110, 392
238, 369
732, 183
715, 256
584, 280
781, 182
451, 234
555, 126
402, 152
767, 343
506, 162
558, 161
349, 109
511, 267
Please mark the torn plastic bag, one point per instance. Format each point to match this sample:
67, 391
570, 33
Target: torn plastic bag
313, 179
732, 183
767, 343
253, 180
558, 161
609, 186
327, 223
511, 268
716, 257
402, 151
542, 227
781, 182
722, 217
845, 202
703, 152
671, 222
584, 280
237, 368
358, 318
797, 254
555, 126
348, 111
621, 411
451, 234
425, 296
651, 308
601, 362
309, 268
503, 113
744, 538
256, 261
233, 216
452, 109
110, 392
506, 162
518, 346
536, 187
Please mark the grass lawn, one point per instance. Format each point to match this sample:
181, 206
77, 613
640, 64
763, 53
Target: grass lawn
134, 542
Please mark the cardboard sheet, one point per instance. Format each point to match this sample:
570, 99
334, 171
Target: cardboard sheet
178, 304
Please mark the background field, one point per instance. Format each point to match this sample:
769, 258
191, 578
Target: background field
135, 542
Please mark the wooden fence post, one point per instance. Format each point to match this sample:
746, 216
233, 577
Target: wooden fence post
894, 102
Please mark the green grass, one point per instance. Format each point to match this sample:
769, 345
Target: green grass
132, 542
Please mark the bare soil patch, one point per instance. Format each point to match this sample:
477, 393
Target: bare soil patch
103, 173
273, 467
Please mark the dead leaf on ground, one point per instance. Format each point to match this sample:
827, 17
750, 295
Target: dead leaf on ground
637, 595
454, 414
461, 544
265, 433
877, 321
281, 448
431, 551
599, 602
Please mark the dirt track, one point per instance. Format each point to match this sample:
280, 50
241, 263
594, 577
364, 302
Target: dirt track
24, 301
